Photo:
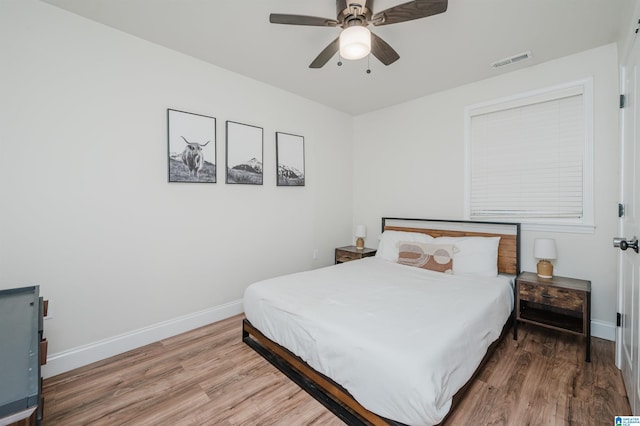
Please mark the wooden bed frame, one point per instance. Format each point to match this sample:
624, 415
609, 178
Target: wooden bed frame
331, 394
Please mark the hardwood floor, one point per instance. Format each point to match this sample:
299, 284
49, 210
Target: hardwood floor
210, 377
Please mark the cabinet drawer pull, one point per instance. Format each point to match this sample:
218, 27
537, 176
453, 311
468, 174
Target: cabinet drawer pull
548, 296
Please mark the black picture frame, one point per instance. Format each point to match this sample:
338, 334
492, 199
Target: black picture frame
244, 154
191, 147
290, 159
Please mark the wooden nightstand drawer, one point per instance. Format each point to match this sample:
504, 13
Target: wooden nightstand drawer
345, 256
557, 297
349, 253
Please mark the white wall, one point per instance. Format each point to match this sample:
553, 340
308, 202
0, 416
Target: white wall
87, 212
124, 256
409, 162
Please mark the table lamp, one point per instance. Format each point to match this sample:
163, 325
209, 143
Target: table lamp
361, 232
545, 250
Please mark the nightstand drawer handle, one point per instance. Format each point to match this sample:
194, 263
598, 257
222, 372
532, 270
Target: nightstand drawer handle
548, 296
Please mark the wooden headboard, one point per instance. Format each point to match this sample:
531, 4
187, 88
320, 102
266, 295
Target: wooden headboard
509, 233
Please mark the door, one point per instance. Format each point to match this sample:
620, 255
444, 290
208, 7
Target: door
629, 259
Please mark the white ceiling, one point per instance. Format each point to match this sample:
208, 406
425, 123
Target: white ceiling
436, 53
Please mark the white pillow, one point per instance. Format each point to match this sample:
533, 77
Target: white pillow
475, 256
388, 248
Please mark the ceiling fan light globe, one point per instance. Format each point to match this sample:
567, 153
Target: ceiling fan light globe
355, 42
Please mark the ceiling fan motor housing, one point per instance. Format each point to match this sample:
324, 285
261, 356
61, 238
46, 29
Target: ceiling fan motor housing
354, 14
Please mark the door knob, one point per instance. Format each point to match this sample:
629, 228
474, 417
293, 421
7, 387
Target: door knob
623, 244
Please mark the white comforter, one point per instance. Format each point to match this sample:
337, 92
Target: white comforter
401, 340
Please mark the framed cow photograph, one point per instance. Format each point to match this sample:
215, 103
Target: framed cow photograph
192, 147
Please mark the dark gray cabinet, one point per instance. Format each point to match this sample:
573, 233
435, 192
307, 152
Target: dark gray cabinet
21, 353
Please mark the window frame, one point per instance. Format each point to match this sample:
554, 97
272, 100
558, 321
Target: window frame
584, 224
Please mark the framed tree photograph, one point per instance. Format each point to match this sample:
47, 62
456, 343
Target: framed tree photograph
192, 147
290, 159
244, 153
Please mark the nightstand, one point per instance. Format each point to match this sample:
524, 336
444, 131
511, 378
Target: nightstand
348, 253
558, 303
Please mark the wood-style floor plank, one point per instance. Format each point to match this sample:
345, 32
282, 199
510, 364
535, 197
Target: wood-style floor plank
208, 376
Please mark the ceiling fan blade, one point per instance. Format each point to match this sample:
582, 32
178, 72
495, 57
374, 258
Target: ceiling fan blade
368, 4
341, 5
341, 11
381, 50
409, 11
326, 54
368, 9
281, 18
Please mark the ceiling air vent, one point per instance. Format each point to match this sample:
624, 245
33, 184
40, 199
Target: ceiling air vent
512, 59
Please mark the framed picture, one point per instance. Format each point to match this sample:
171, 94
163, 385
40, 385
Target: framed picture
290, 159
244, 153
192, 147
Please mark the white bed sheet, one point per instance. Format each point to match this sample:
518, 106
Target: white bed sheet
401, 340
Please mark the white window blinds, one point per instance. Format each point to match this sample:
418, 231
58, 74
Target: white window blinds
526, 157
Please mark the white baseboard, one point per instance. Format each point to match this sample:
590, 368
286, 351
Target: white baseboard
603, 330
77, 357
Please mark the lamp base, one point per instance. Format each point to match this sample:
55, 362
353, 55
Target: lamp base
545, 269
360, 243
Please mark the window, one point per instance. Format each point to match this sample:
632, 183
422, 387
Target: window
529, 159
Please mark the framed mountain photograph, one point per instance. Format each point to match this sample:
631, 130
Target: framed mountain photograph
192, 147
290, 159
244, 153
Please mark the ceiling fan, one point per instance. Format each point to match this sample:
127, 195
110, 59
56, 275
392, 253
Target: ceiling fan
355, 40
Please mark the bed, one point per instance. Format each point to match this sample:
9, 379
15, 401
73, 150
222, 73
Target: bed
381, 341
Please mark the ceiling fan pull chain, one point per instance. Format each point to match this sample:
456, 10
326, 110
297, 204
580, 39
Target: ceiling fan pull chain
368, 64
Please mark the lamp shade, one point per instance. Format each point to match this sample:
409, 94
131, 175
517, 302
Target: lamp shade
361, 231
545, 248
355, 42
